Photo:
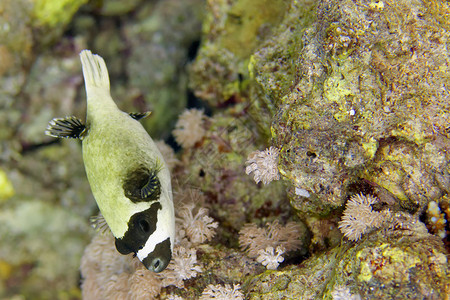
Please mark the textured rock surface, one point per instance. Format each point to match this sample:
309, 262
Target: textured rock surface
354, 94
354, 91
359, 108
401, 263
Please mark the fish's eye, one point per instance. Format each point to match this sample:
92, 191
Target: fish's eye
144, 225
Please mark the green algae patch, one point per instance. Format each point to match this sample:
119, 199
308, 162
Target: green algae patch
370, 147
66, 235
394, 262
56, 12
246, 22
386, 262
6, 187
305, 282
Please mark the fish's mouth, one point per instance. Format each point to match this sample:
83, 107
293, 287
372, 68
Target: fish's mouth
157, 265
158, 260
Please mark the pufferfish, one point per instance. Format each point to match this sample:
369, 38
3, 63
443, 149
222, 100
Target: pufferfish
128, 176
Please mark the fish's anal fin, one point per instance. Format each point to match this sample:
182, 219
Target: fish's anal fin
139, 116
68, 127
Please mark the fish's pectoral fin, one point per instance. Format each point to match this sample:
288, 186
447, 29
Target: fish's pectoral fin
152, 188
142, 185
139, 116
68, 127
99, 223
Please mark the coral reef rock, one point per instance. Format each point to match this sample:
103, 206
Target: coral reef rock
402, 263
350, 90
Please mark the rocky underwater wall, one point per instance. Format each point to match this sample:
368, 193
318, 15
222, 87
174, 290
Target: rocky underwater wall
311, 138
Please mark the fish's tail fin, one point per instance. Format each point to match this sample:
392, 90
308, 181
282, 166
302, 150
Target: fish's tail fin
94, 71
96, 80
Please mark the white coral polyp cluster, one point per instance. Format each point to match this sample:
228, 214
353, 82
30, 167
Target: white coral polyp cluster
189, 128
218, 292
271, 258
198, 227
259, 243
359, 218
341, 292
107, 274
183, 266
263, 165
174, 297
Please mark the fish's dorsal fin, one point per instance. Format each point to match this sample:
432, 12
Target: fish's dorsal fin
95, 72
68, 127
139, 116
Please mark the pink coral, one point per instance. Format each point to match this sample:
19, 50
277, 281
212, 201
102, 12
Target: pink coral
143, 284
109, 275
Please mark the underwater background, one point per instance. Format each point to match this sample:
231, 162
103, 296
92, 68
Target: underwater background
309, 145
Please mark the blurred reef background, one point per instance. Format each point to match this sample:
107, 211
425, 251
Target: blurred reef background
349, 97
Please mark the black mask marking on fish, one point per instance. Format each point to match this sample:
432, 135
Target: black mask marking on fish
159, 258
142, 185
140, 226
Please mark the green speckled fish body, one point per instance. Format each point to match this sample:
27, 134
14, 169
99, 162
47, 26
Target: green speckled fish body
127, 173
110, 150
